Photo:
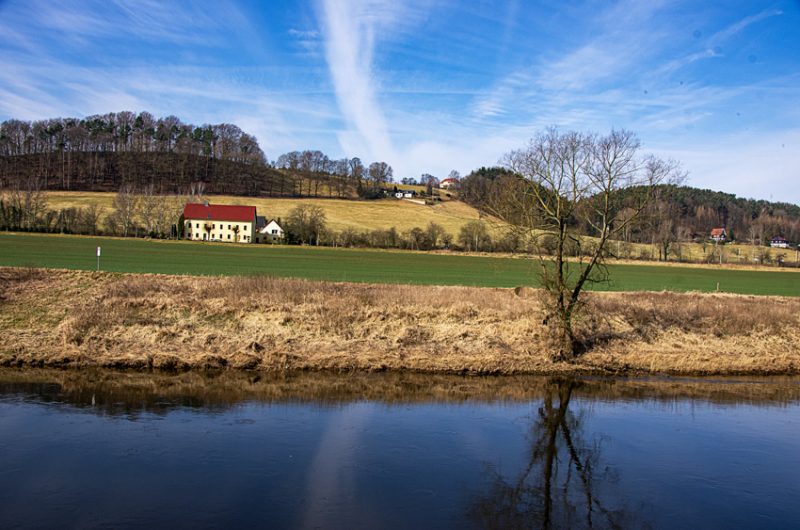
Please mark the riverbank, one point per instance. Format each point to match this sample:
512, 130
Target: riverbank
142, 321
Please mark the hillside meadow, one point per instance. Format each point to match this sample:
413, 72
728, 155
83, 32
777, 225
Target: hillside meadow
363, 266
341, 213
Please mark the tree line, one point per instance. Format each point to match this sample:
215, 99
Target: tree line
144, 213
108, 151
306, 224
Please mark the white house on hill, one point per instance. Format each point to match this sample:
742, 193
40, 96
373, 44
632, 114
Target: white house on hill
449, 183
779, 242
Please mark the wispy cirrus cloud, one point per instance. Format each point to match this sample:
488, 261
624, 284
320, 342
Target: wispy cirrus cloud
349, 28
729, 32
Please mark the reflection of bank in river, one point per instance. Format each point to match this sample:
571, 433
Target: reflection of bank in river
395, 450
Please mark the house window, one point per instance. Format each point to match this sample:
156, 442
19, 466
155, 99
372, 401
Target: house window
274, 231
196, 225
213, 226
229, 227
229, 236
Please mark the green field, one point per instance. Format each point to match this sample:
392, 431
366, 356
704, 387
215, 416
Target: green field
183, 257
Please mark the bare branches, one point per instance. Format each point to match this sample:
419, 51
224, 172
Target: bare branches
569, 182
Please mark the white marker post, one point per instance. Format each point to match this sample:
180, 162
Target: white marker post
98, 258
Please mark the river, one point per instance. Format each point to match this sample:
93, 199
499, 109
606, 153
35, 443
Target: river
101, 449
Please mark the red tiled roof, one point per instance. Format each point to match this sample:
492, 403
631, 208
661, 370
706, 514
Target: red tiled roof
717, 231
219, 212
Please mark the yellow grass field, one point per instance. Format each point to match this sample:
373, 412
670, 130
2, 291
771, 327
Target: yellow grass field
359, 215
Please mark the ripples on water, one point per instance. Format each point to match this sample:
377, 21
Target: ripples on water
105, 449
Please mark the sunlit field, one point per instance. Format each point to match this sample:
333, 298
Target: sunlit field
351, 265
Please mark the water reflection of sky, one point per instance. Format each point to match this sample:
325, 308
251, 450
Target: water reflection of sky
372, 464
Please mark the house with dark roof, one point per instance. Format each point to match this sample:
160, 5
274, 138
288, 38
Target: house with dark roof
219, 222
719, 235
779, 242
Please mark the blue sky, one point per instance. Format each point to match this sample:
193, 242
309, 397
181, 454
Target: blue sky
431, 85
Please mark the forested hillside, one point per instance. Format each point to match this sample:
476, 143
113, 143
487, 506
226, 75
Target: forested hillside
680, 213
105, 152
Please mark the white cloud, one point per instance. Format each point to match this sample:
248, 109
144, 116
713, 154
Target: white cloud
349, 29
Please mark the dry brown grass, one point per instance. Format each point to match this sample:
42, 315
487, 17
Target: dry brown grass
68, 318
341, 213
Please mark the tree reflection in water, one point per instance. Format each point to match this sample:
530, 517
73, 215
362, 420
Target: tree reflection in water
558, 488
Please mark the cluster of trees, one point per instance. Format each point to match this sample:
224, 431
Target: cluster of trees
676, 214
145, 213
106, 152
134, 213
127, 132
314, 173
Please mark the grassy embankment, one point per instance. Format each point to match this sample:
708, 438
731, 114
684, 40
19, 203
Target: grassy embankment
354, 265
81, 319
405, 215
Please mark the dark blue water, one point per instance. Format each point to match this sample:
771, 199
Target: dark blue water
377, 451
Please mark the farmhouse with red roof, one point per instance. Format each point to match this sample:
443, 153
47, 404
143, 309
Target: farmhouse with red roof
719, 235
449, 183
219, 222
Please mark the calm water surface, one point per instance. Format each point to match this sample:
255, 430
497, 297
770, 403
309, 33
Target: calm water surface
111, 450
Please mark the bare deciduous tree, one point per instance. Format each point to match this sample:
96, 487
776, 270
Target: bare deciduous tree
306, 223
26, 205
380, 173
91, 218
126, 206
148, 208
474, 237
566, 181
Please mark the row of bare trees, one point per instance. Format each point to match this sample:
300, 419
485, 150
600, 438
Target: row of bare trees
145, 212
323, 176
126, 132
106, 152
133, 213
306, 224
